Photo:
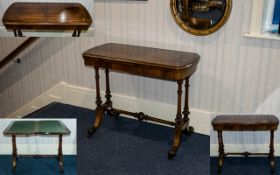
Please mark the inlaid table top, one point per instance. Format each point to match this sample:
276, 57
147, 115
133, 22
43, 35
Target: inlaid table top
245, 122
143, 61
46, 16
44, 127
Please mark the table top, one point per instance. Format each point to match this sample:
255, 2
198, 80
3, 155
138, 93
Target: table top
245, 122
145, 61
33, 15
44, 127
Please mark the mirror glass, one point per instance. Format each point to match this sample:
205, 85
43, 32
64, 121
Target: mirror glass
201, 17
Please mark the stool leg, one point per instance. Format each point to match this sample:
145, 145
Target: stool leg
178, 124
187, 129
60, 154
221, 151
99, 111
271, 151
14, 160
109, 104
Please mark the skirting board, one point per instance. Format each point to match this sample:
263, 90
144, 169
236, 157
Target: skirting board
255, 148
85, 97
38, 149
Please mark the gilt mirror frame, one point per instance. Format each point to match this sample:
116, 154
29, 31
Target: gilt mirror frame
201, 32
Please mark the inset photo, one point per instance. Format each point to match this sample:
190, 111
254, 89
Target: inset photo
46, 19
38, 146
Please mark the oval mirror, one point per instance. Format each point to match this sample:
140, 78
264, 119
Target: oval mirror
201, 17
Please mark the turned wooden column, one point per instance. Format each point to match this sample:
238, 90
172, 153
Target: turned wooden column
221, 151
60, 154
14, 159
108, 92
98, 101
271, 151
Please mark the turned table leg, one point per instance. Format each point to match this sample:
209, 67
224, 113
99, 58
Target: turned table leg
271, 151
60, 154
99, 111
109, 104
178, 124
14, 157
221, 151
76, 33
187, 129
15, 32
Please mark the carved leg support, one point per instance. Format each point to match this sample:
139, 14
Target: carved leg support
60, 154
14, 158
99, 111
271, 152
178, 124
221, 151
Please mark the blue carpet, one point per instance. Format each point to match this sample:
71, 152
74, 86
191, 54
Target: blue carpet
129, 147
244, 166
33, 166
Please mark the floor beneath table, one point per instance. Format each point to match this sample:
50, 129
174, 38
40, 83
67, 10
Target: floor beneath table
33, 166
244, 166
127, 146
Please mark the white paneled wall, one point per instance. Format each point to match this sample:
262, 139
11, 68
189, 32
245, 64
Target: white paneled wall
4, 4
235, 75
39, 144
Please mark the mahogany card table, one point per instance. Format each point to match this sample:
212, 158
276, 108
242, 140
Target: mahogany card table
46, 17
28, 128
240, 122
147, 62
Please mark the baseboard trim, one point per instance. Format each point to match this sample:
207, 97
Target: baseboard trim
85, 97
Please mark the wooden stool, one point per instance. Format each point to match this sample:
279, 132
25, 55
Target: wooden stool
148, 62
46, 16
245, 123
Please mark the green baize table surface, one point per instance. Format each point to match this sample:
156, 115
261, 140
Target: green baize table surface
44, 127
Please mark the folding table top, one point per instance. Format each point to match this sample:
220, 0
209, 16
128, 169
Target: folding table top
143, 61
245, 122
44, 127
47, 16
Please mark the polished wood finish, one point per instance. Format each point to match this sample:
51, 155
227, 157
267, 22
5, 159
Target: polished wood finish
143, 61
148, 62
46, 16
17, 51
245, 123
